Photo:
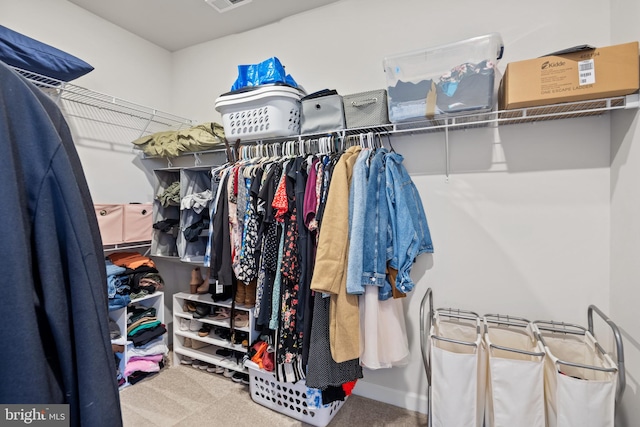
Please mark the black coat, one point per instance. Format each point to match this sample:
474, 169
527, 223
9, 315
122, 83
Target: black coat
54, 324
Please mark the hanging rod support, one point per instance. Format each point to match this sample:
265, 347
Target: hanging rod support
446, 149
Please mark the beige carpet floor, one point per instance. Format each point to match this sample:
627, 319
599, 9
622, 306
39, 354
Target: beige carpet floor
188, 397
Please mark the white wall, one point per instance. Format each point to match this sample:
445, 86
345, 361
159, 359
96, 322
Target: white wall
126, 67
532, 221
342, 45
522, 226
625, 222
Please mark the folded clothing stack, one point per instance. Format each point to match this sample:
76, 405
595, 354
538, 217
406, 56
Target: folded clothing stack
145, 331
130, 276
205, 136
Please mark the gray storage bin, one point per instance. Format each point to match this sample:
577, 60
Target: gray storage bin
366, 109
322, 114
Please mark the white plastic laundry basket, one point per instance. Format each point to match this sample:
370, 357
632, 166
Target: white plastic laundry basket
261, 112
515, 373
288, 399
580, 377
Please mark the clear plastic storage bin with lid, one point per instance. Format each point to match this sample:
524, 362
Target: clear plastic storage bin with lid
452, 79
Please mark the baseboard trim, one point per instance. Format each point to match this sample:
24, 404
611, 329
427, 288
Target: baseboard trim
407, 400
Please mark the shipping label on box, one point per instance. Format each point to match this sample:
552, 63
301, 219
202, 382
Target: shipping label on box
576, 76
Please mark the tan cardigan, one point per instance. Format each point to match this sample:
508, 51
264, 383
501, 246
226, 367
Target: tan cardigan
330, 271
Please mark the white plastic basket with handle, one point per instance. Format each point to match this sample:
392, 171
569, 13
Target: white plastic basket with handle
262, 112
287, 398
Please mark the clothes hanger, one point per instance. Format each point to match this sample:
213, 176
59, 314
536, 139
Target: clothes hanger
390, 145
322, 145
301, 147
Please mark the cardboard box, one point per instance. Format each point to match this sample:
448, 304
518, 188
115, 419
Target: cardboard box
575, 76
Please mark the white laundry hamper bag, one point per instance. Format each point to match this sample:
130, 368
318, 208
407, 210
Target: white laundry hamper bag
458, 370
515, 373
580, 379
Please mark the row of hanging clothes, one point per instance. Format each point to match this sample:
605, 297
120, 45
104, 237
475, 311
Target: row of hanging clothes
325, 232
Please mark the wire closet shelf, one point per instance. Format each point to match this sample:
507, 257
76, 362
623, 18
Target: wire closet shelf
91, 111
497, 118
504, 117
476, 120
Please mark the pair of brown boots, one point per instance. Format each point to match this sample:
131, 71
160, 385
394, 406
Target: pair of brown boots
246, 293
198, 285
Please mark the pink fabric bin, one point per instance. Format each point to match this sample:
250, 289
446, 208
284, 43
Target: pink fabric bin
138, 222
110, 218
124, 223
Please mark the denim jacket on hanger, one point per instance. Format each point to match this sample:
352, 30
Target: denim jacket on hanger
410, 231
376, 238
357, 223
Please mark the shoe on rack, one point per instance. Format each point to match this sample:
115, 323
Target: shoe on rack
194, 325
222, 333
238, 357
231, 361
211, 367
197, 344
196, 280
237, 377
240, 336
184, 324
250, 294
241, 319
219, 369
204, 330
224, 352
204, 286
221, 313
187, 342
197, 363
202, 310
245, 379
204, 366
189, 307
186, 360
228, 373
241, 291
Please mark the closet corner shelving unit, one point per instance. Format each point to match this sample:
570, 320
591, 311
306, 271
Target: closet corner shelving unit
120, 316
211, 342
172, 245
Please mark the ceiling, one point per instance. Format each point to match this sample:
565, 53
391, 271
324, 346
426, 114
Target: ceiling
176, 24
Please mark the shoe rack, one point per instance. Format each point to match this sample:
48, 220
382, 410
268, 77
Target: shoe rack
187, 325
